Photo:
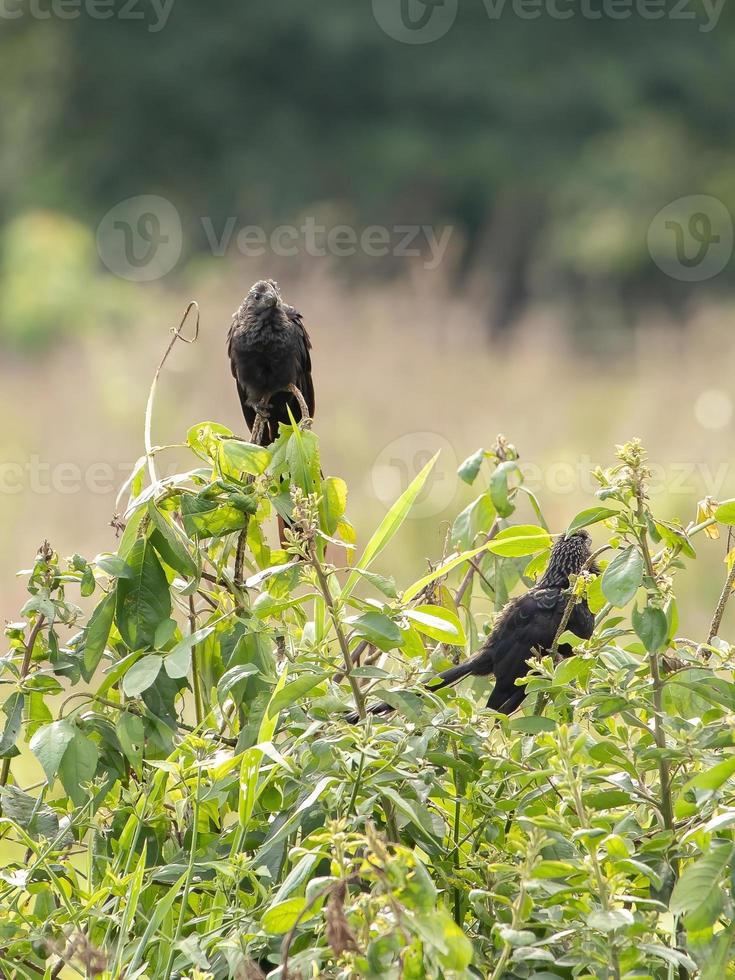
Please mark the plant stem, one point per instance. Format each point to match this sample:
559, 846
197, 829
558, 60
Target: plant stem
24, 668
195, 680
341, 638
722, 603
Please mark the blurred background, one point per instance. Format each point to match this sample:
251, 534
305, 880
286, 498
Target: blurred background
496, 216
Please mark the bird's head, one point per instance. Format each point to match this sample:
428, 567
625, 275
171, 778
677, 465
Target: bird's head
263, 295
568, 557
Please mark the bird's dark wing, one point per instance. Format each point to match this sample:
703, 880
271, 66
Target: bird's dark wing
304, 383
283, 400
247, 410
529, 623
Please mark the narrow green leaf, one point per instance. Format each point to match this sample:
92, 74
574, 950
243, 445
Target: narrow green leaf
390, 525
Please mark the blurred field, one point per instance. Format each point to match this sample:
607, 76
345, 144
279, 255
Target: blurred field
401, 369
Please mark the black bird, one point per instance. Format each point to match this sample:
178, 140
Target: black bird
528, 623
269, 356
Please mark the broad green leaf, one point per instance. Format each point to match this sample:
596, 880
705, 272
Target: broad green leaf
378, 629
593, 515
520, 540
651, 627
532, 724
141, 675
237, 457
49, 745
712, 778
205, 438
205, 518
283, 916
390, 525
333, 503
178, 661
131, 733
611, 920
232, 677
143, 601
622, 577
725, 513
78, 766
437, 622
700, 878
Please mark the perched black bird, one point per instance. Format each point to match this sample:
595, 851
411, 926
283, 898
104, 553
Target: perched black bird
269, 355
528, 623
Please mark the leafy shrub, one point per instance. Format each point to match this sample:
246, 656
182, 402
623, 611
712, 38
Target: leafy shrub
206, 811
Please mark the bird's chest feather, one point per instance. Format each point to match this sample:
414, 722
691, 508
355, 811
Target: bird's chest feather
264, 356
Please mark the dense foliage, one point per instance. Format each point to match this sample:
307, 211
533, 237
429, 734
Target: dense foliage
205, 811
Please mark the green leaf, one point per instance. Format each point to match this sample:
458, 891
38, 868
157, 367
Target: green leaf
293, 691
78, 766
651, 627
333, 503
97, 635
437, 622
712, 778
37, 819
611, 920
141, 675
237, 457
471, 467
520, 540
378, 629
171, 545
390, 525
205, 518
178, 661
232, 677
131, 734
13, 710
622, 577
532, 724
385, 585
593, 515
725, 513
283, 916
701, 878
49, 745
115, 566
143, 601
499, 487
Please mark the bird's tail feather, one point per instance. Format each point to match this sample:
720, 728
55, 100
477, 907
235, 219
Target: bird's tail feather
445, 679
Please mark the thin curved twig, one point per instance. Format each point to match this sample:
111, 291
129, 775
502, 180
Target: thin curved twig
152, 393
